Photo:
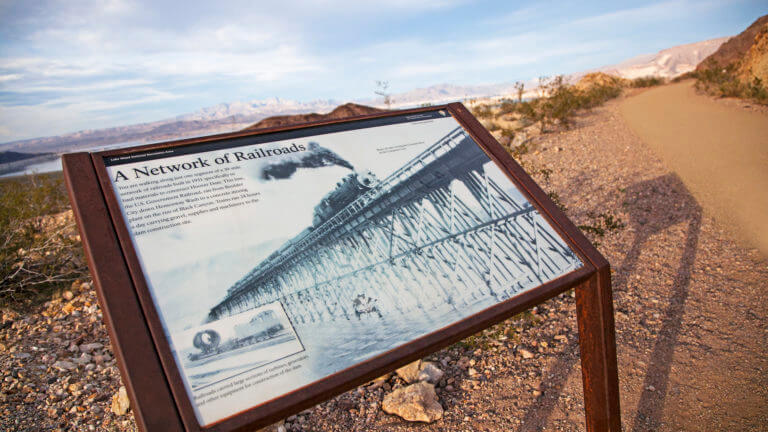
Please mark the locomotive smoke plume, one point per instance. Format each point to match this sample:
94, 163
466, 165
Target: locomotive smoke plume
315, 157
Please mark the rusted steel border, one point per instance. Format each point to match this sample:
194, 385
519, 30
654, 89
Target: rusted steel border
134, 351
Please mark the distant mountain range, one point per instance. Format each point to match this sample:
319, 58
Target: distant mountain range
667, 63
228, 117
271, 106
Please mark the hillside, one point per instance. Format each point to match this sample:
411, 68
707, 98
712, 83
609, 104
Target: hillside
735, 48
754, 64
341, 111
667, 63
11, 156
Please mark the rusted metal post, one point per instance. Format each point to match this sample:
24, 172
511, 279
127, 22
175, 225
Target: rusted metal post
597, 342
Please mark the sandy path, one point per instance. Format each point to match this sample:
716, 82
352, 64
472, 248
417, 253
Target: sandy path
719, 151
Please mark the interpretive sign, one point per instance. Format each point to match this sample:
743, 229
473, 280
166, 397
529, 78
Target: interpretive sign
263, 272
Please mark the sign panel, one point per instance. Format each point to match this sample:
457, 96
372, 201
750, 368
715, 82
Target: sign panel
277, 260
245, 277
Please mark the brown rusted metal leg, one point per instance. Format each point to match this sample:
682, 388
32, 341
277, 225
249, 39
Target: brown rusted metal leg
152, 403
597, 342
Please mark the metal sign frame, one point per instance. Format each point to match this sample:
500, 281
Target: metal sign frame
153, 382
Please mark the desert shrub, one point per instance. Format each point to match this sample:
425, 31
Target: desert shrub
39, 247
599, 225
647, 81
757, 91
561, 101
492, 125
599, 94
508, 133
685, 76
529, 111
558, 202
724, 82
507, 107
482, 111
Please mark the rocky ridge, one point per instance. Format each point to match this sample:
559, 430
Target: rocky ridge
340, 112
754, 64
735, 48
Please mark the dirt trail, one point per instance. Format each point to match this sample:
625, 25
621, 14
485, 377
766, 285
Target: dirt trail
719, 151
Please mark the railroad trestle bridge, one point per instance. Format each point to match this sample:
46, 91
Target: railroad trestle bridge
438, 231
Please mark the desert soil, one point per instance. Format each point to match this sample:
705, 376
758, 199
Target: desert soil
719, 151
691, 316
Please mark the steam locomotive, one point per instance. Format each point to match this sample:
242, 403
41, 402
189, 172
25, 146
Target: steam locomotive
262, 327
347, 190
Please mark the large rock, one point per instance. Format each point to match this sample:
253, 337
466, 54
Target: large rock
429, 372
120, 401
410, 372
416, 402
420, 371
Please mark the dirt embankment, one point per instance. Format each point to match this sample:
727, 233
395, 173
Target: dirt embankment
719, 150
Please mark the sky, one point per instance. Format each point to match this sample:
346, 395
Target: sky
74, 65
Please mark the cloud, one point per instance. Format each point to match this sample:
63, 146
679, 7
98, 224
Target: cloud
106, 84
86, 105
9, 77
655, 12
118, 60
465, 59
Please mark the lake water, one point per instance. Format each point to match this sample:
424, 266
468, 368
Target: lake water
55, 164
38, 168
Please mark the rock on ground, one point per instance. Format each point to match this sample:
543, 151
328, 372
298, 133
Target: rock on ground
430, 373
410, 372
120, 402
416, 402
276, 427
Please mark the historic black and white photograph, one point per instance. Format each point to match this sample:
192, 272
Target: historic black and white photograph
231, 346
367, 238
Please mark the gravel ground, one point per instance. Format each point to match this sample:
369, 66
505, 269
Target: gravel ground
691, 313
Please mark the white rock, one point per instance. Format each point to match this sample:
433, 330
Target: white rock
429, 373
276, 427
120, 401
88, 348
410, 372
64, 365
416, 402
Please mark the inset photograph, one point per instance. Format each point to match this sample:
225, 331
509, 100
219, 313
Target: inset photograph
222, 349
